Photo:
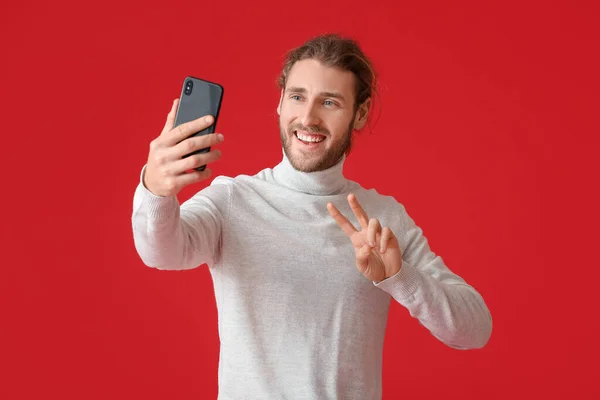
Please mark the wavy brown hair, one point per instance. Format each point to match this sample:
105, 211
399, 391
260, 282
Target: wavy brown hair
334, 50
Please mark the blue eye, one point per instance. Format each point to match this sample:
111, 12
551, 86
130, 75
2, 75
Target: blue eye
329, 102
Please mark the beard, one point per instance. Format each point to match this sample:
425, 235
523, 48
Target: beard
313, 162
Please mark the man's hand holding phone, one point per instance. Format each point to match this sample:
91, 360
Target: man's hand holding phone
167, 172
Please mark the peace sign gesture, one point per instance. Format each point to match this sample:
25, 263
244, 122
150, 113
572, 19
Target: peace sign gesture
378, 254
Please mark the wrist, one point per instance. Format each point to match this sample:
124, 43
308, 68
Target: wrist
392, 272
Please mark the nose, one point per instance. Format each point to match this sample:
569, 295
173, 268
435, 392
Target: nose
310, 117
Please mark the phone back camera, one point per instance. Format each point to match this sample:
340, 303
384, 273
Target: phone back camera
188, 88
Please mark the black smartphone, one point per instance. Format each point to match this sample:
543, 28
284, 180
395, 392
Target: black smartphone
199, 98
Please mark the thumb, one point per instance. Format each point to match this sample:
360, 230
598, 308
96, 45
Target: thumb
362, 258
170, 122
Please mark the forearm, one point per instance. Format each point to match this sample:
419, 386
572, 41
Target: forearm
453, 311
158, 231
168, 235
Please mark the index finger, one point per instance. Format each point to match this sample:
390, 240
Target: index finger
342, 221
359, 212
185, 130
175, 134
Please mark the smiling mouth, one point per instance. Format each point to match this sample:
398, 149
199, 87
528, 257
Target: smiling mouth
309, 138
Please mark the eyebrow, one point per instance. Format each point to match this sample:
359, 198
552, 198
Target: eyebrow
336, 95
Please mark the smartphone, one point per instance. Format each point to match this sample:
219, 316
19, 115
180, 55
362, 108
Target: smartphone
199, 98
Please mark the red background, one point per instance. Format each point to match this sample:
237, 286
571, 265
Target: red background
486, 131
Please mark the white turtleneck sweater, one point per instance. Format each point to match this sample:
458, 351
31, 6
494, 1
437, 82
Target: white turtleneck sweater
296, 319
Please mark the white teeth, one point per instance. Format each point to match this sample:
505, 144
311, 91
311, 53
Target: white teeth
310, 138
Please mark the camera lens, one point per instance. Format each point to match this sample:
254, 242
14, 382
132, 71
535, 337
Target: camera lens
188, 87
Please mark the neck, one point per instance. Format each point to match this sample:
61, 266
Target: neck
326, 182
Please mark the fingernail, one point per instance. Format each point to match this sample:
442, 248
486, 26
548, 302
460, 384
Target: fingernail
220, 137
372, 244
208, 119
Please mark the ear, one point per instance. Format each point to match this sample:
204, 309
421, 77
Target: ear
280, 101
362, 114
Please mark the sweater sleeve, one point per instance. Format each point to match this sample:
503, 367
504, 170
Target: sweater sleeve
171, 236
452, 310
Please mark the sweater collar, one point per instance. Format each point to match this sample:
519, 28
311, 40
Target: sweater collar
326, 182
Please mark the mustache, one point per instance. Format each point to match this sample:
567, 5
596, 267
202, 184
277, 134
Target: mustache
309, 129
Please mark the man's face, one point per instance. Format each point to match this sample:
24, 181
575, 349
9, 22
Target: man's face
316, 115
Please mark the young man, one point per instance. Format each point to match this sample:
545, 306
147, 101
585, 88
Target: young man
304, 262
